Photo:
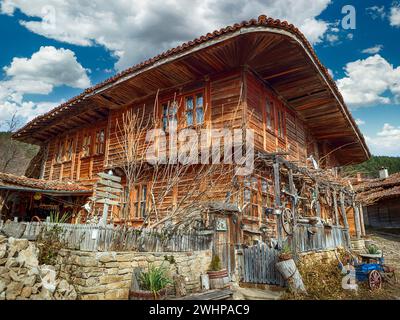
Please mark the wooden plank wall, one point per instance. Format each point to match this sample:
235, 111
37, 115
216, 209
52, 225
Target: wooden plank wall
384, 214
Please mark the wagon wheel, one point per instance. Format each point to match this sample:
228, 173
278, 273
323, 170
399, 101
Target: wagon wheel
287, 220
374, 280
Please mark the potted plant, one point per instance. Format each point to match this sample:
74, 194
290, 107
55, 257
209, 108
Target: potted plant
285, 253
217, 275
152, 283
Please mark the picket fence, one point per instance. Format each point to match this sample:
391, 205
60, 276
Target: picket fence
90, 237
257, 265
309, 238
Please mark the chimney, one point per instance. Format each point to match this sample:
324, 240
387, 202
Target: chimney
383, 173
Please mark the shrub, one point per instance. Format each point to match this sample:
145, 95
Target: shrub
155, 279
215, 264
372, 249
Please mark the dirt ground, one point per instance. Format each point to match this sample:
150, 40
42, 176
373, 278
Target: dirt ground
390, 244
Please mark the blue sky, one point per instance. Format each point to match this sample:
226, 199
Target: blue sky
52, 50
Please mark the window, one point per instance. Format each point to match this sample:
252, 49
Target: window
69, 149
269, 113
169, 114
99, 144
194, 108
60, 152
281, 123
251, 196
140, 201
266, 196
86, 145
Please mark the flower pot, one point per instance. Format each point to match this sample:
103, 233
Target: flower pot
218, 279
147, 295
285, 256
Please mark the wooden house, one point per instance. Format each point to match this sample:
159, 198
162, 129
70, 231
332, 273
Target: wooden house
260, 74
380, 199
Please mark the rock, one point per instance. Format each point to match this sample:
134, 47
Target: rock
48, 276
45, 294
29, 257
14, 276
3, 261
3, 296
3, 286
26, 292
36, 288
3, 250
3, 239
29, 281
16, 245
13, 290
11, 262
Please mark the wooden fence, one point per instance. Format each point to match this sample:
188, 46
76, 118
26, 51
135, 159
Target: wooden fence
310, 238
257, 265
88, 237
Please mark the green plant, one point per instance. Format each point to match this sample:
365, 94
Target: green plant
372, 249
56, 218
155, 279
215, 264
49, 244
286, 249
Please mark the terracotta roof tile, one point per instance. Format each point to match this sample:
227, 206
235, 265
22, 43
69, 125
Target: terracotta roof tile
7, 179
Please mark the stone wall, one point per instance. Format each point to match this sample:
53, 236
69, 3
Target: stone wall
108, 275
21, 276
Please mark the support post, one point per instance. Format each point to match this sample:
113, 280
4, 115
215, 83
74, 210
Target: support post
360, 208
346, 223
357, 220
335, 206
317, 204
293, 192
278, 200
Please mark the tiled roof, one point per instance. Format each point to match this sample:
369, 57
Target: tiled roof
261, 21
378, 189
21, 182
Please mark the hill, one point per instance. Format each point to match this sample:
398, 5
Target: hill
371, 167
15, 156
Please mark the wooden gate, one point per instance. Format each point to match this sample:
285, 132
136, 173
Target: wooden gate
257, 265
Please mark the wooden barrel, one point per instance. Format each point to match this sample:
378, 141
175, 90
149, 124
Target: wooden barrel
218, 279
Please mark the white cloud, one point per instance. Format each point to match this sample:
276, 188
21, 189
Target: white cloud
134, 30
376, 12
370, 81
386, 141
375, 49
360, 122
46, 69
395, 16
331, 73
40, 74
350, 36
332, 38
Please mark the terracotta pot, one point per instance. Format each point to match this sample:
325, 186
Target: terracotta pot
147, 295
284, 256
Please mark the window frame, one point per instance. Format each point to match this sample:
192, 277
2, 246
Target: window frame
281, 122
68, 149
99, 146
86, 142
194, 95
268, 101
181, 110
251, 184
139, 206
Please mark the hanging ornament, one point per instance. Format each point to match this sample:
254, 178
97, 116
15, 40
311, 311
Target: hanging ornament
37, 196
